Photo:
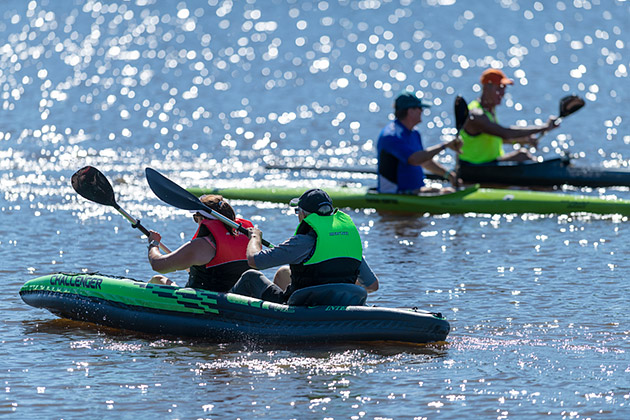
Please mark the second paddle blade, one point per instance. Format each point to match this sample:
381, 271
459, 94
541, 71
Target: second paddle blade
461, 113
570, 104
91, 184
171, 193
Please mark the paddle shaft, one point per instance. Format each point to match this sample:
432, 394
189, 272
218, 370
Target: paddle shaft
136, 224
340, 169
233, 224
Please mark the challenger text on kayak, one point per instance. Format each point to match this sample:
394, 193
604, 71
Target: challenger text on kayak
76, 281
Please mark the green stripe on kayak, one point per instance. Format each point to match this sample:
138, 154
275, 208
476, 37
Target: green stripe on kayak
126, 291
469, 200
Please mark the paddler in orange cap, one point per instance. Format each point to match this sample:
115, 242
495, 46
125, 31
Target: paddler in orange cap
482, 134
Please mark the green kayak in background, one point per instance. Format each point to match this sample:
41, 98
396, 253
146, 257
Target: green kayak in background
469, 200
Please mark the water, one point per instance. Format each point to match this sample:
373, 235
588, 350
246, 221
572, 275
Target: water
209, 93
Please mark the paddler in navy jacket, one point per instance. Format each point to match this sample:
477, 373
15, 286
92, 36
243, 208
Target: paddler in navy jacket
326, 248
215, 256
401, 155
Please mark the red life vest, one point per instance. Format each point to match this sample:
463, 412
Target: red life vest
228, 247
230, 259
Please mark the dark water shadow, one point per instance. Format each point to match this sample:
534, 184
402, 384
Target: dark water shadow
402, 224
79, 330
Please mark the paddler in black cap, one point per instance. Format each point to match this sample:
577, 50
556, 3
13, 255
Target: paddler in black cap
326, 248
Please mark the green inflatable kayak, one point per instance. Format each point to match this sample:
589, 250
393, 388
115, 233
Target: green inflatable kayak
185, 312
469, 200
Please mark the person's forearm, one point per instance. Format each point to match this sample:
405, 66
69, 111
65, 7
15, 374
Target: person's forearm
522, 140
514, 134
436, 168
253, 248
371, 288
483, 125
426, 155
367, 279
156, 259
181, 259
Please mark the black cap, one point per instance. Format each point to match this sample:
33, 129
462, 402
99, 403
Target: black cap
408, 100
314, 201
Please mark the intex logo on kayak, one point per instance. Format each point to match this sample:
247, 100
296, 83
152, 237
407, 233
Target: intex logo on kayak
76, 281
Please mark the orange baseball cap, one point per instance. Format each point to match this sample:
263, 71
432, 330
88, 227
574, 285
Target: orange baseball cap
496, 77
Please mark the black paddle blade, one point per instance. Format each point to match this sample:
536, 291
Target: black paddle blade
570, 104
461, 112
171, 193
91, 184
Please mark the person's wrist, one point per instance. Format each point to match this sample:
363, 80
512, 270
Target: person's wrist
153, 243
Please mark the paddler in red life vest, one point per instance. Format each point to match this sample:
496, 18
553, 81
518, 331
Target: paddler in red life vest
216, 255
326, 248
482, 134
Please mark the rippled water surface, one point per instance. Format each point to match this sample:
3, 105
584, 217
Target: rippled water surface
210, 93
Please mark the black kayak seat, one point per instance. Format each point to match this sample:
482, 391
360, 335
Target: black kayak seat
335, 294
